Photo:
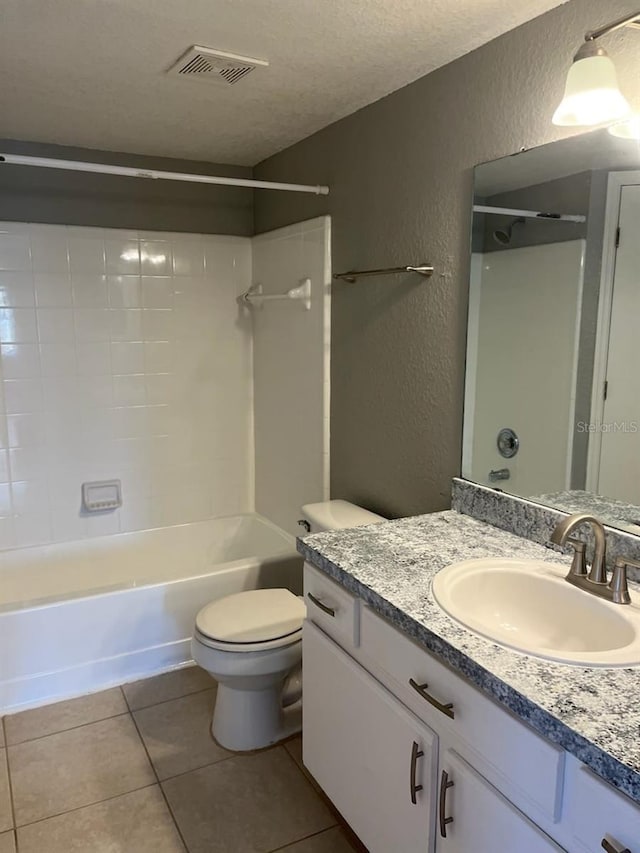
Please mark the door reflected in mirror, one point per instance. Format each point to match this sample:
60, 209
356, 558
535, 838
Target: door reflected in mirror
552, 393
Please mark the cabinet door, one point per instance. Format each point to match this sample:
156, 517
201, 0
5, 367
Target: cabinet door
371, 756
473, 816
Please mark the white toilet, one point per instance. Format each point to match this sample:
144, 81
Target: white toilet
251, 643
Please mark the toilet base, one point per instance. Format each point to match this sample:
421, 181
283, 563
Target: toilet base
245, 720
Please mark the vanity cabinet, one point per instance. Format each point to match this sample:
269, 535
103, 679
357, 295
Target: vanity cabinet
374, 759
387, 728
481, 819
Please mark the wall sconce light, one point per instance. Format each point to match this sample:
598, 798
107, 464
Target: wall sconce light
629, 129
591, 95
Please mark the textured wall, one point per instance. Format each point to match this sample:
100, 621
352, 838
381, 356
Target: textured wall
76, 198
400, 173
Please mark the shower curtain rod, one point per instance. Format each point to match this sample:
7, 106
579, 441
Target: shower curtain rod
530, 214
125, 171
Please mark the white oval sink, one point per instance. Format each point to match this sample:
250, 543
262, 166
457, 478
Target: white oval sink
528, 605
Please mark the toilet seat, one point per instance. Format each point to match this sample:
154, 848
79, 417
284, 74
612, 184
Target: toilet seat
256, 620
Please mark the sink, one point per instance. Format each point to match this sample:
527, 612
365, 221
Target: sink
527, 605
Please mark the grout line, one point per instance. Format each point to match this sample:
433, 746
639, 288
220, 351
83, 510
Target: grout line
291, 844
214, 686
203, 766
10, 782
162, 793
340, 821
84, 806
63, 731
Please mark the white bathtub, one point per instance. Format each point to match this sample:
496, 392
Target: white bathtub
82, 616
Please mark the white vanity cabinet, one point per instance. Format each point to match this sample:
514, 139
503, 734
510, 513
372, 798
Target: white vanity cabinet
374, 759
387, 728
475, 818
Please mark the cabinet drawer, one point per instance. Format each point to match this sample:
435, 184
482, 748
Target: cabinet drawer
597, 811
521, 764
331, 607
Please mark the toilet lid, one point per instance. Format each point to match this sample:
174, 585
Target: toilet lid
256, 616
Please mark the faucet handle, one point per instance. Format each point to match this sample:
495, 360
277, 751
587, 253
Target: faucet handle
579, 563
618, 584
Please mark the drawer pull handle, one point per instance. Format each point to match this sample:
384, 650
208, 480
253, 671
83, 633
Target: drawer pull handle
421, 689
613, 848
328, 610
445, 784
416, 753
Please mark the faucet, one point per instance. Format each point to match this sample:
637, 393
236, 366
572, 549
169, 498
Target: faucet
595, 581
561, 534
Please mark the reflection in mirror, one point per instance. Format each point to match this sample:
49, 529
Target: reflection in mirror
552, 399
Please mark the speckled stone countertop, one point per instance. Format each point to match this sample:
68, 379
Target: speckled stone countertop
594, 713
610, 510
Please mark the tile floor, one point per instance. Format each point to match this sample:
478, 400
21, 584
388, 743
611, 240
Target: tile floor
135, 770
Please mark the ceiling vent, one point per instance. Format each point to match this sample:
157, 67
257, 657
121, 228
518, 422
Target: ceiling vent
216, 65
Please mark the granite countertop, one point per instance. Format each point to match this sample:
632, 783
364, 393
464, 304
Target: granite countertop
594, 713
610, 510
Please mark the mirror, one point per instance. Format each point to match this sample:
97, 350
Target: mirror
552, 392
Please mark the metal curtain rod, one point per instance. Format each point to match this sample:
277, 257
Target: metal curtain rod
422, 269
531, 214
126, 171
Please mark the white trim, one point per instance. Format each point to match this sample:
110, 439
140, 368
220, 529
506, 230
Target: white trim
574, 369
530, 214
615, 183
125, 171
473, 333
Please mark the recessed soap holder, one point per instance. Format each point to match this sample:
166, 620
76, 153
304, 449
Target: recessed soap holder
101, 496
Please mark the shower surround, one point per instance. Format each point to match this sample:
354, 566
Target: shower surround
123, 356
126, 355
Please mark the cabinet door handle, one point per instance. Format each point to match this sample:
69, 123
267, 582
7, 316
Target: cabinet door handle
613, 848
416, 753
421, 689
445, 784
328, 610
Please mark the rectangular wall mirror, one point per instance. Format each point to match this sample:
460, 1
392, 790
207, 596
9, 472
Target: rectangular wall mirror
552, 399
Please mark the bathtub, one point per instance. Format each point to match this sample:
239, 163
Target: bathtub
82, 616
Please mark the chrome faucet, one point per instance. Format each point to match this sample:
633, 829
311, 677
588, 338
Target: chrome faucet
595, 581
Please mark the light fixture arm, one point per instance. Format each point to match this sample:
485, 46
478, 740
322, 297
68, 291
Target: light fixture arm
592, 35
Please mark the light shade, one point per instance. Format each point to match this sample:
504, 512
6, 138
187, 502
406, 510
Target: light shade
629, 129
591, 95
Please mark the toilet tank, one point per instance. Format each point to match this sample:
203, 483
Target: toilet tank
337, 515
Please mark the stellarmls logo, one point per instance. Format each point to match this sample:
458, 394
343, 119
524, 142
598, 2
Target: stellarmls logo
625, 427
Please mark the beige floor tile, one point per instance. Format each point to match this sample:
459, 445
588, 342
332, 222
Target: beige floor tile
7, 843
6, 820
246, 804
177, 734
331, 841
294, 748
64, 715
76, 768
169, 685
133, 823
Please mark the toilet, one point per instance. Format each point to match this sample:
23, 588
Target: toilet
251, 643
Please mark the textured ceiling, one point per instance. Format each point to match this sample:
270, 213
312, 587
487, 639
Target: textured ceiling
90, 73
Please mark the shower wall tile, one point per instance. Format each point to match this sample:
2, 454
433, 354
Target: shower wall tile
122, 355
291, 372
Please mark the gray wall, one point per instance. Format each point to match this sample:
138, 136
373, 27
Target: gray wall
400, 173
75, 198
